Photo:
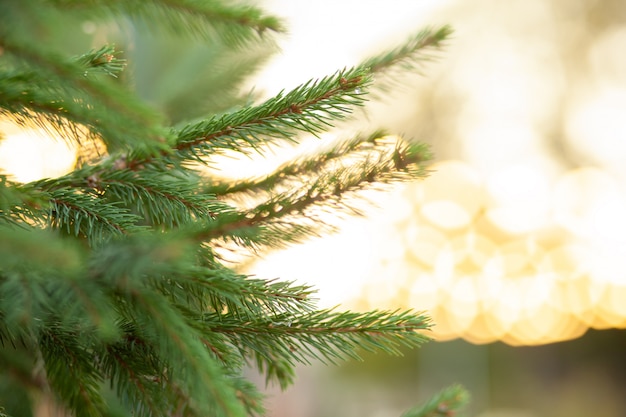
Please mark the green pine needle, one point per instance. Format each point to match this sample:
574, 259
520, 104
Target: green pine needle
445, 403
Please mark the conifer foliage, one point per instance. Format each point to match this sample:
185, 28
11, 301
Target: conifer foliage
115, 298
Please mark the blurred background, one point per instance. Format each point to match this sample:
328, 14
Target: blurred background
514, 244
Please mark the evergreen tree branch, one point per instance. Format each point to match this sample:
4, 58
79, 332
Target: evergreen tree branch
27, 103
20, 204
278, 342
309, 108
408, 56
188, 362
110, 265
247, 229
40, 282
102, 60
162, 199
284, 211
44, 85
445, 403
71, 372
143, 384
235, 24
292, 171
220, 290
166, 264
249, 396
84, 216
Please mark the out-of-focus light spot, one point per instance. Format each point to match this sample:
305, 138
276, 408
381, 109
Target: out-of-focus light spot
545, 325
542, 284
89, 27
609, 311
611, 306
29, 154
444, 327
606, 65
588, 202
424, 292
463, 305
424, 243
479, 332
508, 89
506, 308
472, 251
519, 199
520, 257
520, 139
577, 291
596, 125
452, 195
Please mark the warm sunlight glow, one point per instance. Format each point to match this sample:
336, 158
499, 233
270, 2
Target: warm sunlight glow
28, 153
451, 198
546, 280
519, 199
589, 202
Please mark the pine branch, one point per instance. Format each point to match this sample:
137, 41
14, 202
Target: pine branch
156, 198
84, 216
188, 362
411, 51
409, 56
350, 170
165, 263
240, 295
19, 204
446, 403
47, 87
235, 24
277, 342
309, 108
292, 171
135, 371
250, 230
103, 60
24, 101
71, 372
162, 199
38, 280
250, 397
344, 168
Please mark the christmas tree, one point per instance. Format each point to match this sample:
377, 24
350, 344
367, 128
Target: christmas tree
118, 293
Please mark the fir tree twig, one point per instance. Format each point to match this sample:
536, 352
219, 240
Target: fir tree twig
232, 23
445, 403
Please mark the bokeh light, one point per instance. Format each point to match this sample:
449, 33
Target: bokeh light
31, 153
496, 280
